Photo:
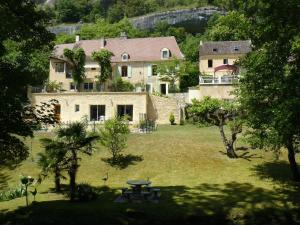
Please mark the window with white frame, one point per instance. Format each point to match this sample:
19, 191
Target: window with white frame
97, 112
125, 57
124, 71
225, 61
125, 110
59, 67
165, 53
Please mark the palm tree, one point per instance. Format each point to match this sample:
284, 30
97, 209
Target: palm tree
76, 140
53, 160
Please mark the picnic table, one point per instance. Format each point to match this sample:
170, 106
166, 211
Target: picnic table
137, 185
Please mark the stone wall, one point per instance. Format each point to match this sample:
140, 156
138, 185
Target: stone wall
214, 91
160, 108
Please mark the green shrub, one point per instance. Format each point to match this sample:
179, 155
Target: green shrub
172, 119
118, 85
85, 192
198, 111
12, 194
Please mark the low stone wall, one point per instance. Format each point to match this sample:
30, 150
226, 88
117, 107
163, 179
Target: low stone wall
160, 108
214, 91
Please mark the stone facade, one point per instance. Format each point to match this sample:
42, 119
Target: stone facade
75, 106
138, 73
84, 100
160, 108
214, 91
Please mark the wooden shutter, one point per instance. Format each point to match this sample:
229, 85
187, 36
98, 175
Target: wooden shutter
149, 70
129, 71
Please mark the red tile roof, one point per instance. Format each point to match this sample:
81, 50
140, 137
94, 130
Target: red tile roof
138, 49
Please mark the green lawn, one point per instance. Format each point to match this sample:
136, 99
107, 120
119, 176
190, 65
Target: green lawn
199, 185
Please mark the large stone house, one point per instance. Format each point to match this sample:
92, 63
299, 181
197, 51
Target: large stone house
218, 68
135, 60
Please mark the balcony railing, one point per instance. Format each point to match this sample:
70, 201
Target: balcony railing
218, 80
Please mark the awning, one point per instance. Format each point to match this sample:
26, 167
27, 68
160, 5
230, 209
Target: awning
233, 68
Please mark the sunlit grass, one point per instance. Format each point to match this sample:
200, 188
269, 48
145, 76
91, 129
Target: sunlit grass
186, 162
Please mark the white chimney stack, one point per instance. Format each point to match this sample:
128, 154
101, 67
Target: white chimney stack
77, 39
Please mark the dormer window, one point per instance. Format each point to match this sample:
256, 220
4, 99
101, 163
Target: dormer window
165, 53
125, 57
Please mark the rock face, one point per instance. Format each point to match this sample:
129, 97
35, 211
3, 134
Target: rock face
66, 29
193, 20
189, 18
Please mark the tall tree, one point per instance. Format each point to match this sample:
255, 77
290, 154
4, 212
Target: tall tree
269, 90
77, 59
103, 57
233, 26
23, 34
170, 71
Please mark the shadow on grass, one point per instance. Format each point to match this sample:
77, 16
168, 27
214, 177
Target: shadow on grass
278, 171
206, 204
123, 161
4, 179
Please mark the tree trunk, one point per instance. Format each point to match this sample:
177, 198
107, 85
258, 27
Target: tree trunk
72, 174
292, 160
228, 145
57, 181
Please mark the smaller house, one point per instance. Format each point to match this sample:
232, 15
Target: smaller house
218, 68
217, 60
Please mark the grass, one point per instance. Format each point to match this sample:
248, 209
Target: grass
199, 184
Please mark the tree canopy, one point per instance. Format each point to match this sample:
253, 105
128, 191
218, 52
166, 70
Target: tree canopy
269, 88
22, 41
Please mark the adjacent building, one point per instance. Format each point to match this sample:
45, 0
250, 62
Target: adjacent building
219, 69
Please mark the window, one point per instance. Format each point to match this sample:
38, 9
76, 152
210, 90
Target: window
72, 86
97, 112
236, 48
210, 63
93, 68
149, 88
125, 110
124, 71
165, 53
88, 86
154, 70
215, 50
68, 72
76, 108
225, 61
125, 57
59, 67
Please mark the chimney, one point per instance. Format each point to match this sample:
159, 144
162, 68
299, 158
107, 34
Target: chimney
123, 35
77, 39
102, 42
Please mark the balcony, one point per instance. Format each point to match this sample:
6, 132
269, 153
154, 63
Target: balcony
226, 79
